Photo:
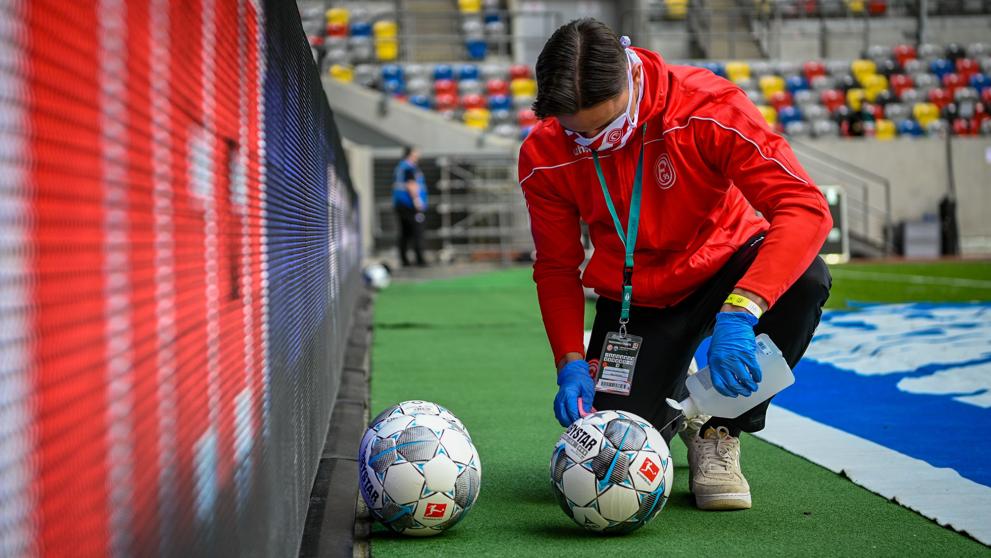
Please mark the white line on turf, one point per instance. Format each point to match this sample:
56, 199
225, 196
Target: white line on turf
940, 494
839, 272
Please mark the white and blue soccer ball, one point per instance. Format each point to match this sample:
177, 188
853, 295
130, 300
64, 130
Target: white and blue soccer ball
377, 276
611, 472
419, 474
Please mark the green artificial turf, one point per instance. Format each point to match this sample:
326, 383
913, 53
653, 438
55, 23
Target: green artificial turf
476, 345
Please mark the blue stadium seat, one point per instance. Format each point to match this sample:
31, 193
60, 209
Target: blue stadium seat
794, 84
421, 101
787, 115
715, 67
443, 71
361, 29
477, 48
392, 72
910, 128
941, 67
394, 87
468, 71
499, 102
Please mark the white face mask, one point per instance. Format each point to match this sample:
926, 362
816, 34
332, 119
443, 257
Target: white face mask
619, 131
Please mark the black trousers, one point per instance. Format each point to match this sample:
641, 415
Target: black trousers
671, 336
410, 231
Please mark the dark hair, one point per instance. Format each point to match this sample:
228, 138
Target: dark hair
581, 65
407, 149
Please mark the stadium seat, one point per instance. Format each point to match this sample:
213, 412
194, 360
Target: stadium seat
884, 129
385, 28
832, 99
469, 6
523, 87
386, 49
966, 95
522, 101
978, 50
896, 112
901, 82
980, 82
967, 68
911, 96
467, 72
883, 97
812, 69
929, 52
814, 112
910, 127
338, 15
737, 71
915, 67
825, 129
877, 7
855, 98
873, 85
443, 72
392, 72
501, 116
526, 117
365, 74
477, 118
877, 52
952, 82
797, 128
863, 68
715, 67
780, 99
470, 87
419, 86
445, 102
337, 30
473, 101
445, 87
925, 113
421, 101
760, 68
675, 9
504, 130
822, 83
769, 85
985, 127
342, 72
770, 115
788, 115
939, 97
954, 51
755, 96
796, 83
903, 53
362, 49
497, 87
361, 29
937, 127
477, 48
925, 81
786, 68
804, 97
394, 87
941, 67
519, 71
856, 7
499, 102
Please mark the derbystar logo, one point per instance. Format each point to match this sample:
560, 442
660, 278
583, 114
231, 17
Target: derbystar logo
435, 511
579, 440
366, 485
649, 470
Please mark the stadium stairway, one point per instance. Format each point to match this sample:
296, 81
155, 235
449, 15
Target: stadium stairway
434, 25
403, 122
728, 35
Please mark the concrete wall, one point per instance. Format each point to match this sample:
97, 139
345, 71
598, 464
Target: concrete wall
917, 169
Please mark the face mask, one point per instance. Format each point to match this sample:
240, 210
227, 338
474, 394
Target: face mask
619, 131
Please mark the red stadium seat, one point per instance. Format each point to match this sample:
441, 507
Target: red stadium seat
833, 99
813, 68
963, 127
526, 117
519, 71
903, 53
473, 101
445, 87
780, 99
497, 87
952, 82
940, 97
986, 97
901, 82
445, 101
337, 30
967, 68
877, 7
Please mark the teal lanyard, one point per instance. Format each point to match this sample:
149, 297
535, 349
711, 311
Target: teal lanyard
630, 239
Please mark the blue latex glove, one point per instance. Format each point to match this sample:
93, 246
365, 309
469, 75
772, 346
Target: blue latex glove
574, 381
733, 354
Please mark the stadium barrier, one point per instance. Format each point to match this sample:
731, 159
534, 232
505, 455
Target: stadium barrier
179, 261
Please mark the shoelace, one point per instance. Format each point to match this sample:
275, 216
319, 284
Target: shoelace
721, 453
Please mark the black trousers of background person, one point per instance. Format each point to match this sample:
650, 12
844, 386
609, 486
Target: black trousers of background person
410, 230
671, 336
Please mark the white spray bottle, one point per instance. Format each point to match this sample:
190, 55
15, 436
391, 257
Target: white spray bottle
703, 399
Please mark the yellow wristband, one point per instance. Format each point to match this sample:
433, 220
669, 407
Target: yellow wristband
745, 303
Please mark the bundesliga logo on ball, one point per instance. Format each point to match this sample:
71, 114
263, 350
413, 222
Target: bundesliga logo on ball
611, 472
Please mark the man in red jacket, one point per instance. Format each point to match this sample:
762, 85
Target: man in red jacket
669, 167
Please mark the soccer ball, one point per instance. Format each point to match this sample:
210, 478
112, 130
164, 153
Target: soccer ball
377, 276
611, 472
417, 407
419, 474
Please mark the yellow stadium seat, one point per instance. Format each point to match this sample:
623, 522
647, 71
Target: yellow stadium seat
855, 98
873, 85
477, 118
470, 6
523, 87
339, 16
386, 50
884, 129
855, 6
863, 68
769, 85
385, 29
676, 9
737, 71
770, 115
342, 72
925, 113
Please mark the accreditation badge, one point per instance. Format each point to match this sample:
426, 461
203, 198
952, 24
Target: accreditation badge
616, 365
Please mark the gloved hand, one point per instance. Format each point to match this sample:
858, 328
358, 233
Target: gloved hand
733, 354
574, 381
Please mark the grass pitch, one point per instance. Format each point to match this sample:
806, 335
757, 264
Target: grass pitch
476, 345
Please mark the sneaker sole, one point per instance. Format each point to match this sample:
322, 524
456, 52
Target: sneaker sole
727, 501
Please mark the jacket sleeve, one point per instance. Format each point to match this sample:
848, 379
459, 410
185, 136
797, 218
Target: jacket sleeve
556, 229
738, 142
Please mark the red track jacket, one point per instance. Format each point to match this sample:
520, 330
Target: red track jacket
710, 159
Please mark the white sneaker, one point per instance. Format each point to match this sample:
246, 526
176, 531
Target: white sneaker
714, 469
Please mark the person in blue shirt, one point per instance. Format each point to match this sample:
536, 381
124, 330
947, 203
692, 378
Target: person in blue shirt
409, 197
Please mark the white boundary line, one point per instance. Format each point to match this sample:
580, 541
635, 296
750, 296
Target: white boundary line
940, 494
913, 279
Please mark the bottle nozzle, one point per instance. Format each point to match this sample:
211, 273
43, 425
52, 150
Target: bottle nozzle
686, 406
